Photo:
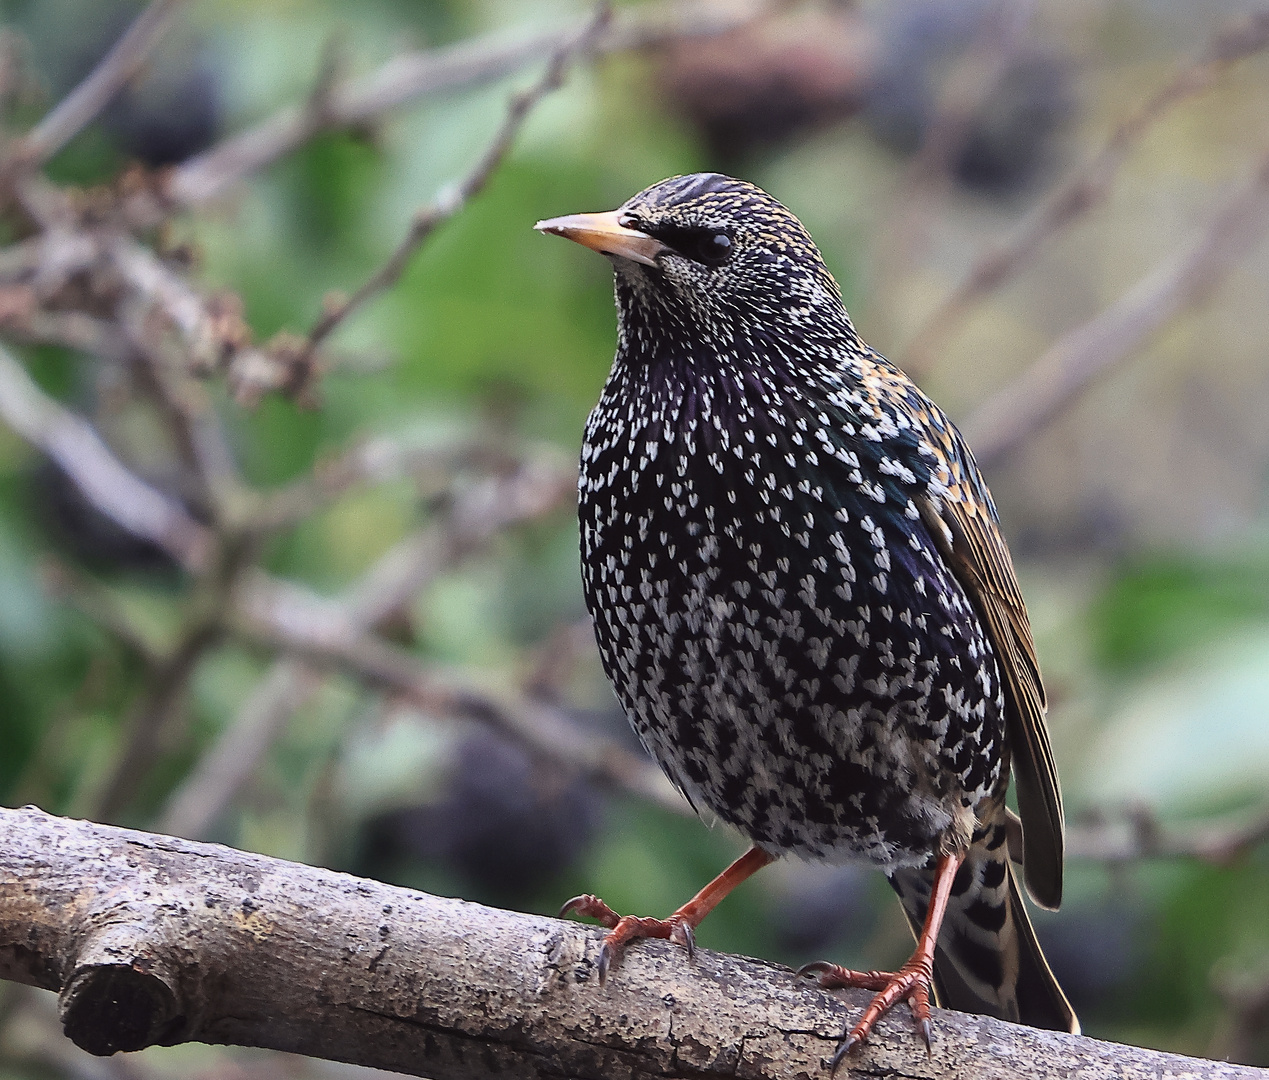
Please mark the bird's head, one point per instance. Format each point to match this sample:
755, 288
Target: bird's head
710, 256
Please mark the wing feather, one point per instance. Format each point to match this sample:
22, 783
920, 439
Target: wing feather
964, 526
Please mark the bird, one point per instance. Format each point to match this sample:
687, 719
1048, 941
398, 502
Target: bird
805, 604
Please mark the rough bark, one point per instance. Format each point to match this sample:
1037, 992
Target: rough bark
153, 939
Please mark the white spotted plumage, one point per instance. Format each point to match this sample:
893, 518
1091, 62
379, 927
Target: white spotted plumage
799, 589
772, 583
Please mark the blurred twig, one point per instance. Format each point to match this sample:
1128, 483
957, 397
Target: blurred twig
284, 616
99, 604
1083, 189
97, 89
478, 514
212, 331
452, 200
142, 739
554, 660
368, 460
1138, 833
224, 768
411, 76
1245, 995
1014, 412
110, 486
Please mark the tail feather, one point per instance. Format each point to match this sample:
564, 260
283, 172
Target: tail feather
988, 960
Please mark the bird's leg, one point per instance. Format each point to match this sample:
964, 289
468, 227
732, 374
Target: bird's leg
679, 927
912, 981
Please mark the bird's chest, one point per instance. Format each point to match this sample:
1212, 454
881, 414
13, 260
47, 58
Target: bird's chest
752, 566
781, 631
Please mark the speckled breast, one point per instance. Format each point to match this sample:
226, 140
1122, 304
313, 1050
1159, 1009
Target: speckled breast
785, 638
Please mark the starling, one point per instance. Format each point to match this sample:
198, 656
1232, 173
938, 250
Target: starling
804, 602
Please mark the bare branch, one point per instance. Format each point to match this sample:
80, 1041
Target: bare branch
153, 715
108, 484
1139, 834
150, 939
479, 513
82, 104
210, 340
43, 263
1071, 364
1246, 998
223, 770
376, 459
290, 618
284, 616
415, 75
454, 198
100, 604
1085, 188
72, 329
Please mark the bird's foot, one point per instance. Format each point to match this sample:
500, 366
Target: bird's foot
623, 929
910, 982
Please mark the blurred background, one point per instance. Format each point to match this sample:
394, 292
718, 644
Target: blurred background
360, 640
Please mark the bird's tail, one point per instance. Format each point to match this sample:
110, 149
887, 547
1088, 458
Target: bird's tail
988, 960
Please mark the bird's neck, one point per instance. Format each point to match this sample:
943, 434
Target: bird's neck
662, 338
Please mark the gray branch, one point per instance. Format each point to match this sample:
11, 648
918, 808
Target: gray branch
82, 104
108, 484
150, 939
1072, 363
416, 75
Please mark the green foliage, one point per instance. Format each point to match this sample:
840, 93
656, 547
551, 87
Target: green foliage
1157, 608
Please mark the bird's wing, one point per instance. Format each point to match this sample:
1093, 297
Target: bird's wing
964, 527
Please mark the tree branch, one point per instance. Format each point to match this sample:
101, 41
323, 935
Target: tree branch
411, 76
1084, 188
153, 940
1015, 411
92, 95
286, 617
456, 196
1138, 833
226, 767
477, 516
104, 480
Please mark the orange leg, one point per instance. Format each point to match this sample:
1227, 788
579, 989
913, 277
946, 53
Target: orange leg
679, 927
912, 981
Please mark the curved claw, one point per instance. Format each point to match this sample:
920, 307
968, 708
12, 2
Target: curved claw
817, 967
573, 905
683, 934
848, 1044
927, 1033
606, 956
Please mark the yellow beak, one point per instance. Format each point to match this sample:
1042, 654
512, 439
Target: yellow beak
602, 233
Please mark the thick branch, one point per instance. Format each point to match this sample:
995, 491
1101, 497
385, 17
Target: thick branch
149, 939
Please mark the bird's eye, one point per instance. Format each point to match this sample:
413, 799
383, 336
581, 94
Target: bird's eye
713, 247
